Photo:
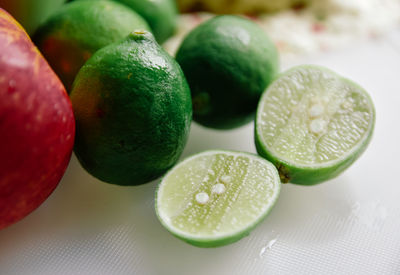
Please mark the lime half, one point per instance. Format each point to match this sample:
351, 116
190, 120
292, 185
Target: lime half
313, 124
217, 197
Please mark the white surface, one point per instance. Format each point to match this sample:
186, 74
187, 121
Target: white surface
349, 225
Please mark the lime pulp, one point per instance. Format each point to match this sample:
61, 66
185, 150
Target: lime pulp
216, 197
313, 124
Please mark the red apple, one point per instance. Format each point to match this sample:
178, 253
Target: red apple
37, 125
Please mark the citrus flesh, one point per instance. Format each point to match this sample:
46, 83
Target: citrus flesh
133, 111
228, 62
216, 197
313, 124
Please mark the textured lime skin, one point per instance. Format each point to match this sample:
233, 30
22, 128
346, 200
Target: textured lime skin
228, 62
161, 15
133, 111
306, 175
229, 239
72, 34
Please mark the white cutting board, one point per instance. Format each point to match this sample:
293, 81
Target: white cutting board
349, 225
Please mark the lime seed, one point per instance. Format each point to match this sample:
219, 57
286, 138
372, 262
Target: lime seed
202, 198
218, 189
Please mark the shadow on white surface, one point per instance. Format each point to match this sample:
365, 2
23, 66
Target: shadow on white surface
201, 139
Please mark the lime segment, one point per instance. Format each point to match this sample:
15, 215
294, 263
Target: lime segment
313, 124
216, 197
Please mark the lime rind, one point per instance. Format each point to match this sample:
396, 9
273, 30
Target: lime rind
228, 61
133, 111
313, 173
220, 238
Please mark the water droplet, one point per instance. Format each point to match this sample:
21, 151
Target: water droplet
267, 247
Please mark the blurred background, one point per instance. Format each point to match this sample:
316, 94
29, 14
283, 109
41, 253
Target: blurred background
298, 27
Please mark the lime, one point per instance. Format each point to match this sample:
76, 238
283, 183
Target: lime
78, 29
313, 124
161, 15
30, 14
228, 62
133, 111
216, 197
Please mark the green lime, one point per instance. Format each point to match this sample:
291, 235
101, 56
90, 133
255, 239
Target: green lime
161, 15
133, 111
228, 62
30, 14
313, 124
78, 29
216, 197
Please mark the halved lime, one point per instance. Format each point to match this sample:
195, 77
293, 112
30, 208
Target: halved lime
216, 197
313, 124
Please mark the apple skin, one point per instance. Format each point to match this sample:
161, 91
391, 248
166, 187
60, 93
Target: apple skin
37, 126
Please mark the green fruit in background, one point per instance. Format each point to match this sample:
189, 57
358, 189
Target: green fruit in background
313, 124
161, 15
228, 62
31, 13
72, 34
133, 111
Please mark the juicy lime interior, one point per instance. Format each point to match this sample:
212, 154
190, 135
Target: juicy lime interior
216, 194
311, 116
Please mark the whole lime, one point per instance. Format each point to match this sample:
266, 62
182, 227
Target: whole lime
161, 15
72, 34
133, 111
228, 62
30, 14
